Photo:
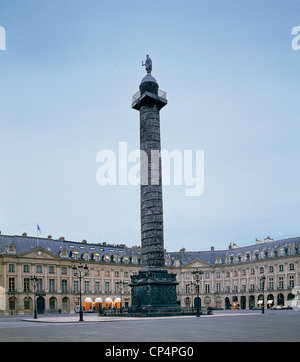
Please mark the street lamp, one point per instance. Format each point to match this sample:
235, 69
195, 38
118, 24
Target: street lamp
197, 273
263, 279
80, 272
121, 285
34, 282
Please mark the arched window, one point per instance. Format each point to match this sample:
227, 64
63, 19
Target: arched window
65, 304
52, 303
187, 302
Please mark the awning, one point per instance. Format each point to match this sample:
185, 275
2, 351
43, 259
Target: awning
260, 302
270, 301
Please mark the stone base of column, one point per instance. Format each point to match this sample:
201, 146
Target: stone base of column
154, 293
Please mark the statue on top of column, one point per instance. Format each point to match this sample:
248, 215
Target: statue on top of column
148, 64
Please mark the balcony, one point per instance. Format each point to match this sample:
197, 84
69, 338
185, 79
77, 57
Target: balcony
160, 99
137, 95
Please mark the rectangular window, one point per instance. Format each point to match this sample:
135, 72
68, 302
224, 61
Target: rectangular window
76, 286
126, 288
280, 282
39, 286
11, 284
64, 285
271, 283
291, 281
86, 286
207, 288
26, 285
51, 285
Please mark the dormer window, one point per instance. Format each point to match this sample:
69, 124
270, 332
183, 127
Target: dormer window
116, 258
134, 259
86, 256
11, 249
75, 254
63, 253
125, 259
96, 256
106, 258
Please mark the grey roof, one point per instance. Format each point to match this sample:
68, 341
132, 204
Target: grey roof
26, 243
215, 257
266, 246
205, 256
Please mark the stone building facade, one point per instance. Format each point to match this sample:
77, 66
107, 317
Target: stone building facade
231, 278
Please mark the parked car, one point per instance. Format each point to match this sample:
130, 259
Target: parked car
282, 307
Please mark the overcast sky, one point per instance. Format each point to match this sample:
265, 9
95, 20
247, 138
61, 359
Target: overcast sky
232, 80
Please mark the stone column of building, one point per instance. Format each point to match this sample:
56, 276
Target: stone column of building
153, 289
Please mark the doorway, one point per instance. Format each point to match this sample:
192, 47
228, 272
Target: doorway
40, 305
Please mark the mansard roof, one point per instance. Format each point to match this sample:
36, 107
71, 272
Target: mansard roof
23, 244
266, 246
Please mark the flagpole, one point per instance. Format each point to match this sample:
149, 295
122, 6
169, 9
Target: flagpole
37, 234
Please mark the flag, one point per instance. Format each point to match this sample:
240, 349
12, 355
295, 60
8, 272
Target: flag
38, 228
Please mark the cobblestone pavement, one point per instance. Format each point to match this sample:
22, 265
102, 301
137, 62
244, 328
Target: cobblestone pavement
223, 326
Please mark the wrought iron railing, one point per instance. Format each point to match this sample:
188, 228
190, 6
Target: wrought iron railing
137, 95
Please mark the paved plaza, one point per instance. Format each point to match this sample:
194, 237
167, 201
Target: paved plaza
223, 326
